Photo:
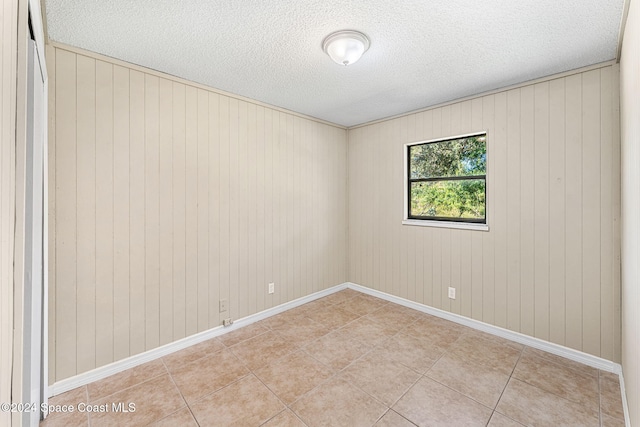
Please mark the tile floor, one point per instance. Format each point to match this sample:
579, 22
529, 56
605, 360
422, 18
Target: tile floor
350, 359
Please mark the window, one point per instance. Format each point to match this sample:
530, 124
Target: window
446, 181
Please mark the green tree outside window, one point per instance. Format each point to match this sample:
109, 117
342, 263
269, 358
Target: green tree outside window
447, 179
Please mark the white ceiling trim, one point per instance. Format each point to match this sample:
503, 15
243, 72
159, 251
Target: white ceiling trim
492, 92
423, 52
177, 79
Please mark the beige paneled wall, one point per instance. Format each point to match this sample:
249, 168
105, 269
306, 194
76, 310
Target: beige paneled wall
167, 197
630, 124
549, 266
8, 70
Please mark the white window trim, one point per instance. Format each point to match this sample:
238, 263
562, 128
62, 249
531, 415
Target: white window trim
432, 223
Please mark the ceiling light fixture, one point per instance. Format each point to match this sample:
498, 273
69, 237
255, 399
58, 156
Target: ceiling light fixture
345, 47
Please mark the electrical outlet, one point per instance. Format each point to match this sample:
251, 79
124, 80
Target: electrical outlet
227, 322
272, 288
452, 293
224, 305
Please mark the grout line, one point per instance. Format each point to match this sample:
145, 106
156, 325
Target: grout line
599, 398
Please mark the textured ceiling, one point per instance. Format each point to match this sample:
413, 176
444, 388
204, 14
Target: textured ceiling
422, 52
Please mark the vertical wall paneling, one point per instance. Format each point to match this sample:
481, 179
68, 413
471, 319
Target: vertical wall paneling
488, 239
66, 225
497, 142
203, 210
573, 213
607, 197
260, 285
527, 208
165, 206
191, 209
513, 209
137, 248
472, 119
234, 209
214, 210
169, 198
152, 211
86, 211
51, 69
178, 178
557, 206
591, 201
547, 265
541, 211
104, 242
269, 203
121, 212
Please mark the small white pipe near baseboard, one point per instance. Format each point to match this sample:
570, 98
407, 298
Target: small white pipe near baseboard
130, 362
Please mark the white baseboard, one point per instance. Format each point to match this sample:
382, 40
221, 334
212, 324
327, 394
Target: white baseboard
156, 353
569, 353
625, 405
557, 349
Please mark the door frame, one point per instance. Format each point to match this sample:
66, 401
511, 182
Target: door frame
36, 36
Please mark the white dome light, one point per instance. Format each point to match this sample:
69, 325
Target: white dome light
345, 47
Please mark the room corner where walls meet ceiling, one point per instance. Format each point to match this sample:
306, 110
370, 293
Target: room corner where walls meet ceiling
421, 54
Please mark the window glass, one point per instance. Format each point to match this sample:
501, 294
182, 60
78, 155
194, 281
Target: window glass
447, 179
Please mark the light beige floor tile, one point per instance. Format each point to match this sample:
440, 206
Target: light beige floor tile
154, 400
192, 353
499, 420
128, 378
479, 382
381, 377
338, 403
429, 403
336, 349
393, 419
281, 320
486, 352
558, 379
242, 334
611, 397
607, 421
435, 331
71, 397
314, 306
303, 331
244, 403
363, 304
263, 350
333, 317
285, 418
531, 405
208, 374
294, 355
68, 419
68, 399
495, 338
609, 375
367, 331
395, 315
181, 418
416, 353
341, 296
293, 375
580, 367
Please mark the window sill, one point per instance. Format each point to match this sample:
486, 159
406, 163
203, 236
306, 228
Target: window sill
445, 224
